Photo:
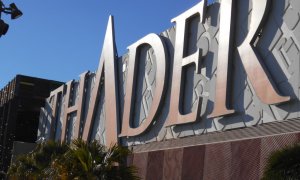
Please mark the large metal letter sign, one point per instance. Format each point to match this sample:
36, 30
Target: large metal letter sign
224, 54
55, 97
257, 76
75, 108
159, 49
250, 59
107, 61
175, 116
259, 80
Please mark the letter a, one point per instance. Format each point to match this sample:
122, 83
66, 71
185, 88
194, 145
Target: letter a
108, 61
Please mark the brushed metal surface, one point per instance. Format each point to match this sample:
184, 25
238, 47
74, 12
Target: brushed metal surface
69, 86
108, 59
75, 108
251, 59
82, 88
175, 115
224, 55
56, 95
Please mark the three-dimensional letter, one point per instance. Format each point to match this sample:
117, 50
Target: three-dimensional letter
159, 49
107, 61
175, 116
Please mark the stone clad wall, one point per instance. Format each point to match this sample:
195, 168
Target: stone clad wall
279, 47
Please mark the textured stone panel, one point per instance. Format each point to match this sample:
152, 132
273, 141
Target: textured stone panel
145, 85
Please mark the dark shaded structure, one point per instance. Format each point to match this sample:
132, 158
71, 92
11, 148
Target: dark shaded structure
20, 103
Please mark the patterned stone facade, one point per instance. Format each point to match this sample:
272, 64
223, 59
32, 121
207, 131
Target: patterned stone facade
278, 45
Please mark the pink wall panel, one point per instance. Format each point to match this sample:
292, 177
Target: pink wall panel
172, 164
155, 165
231, 160
193, 162
217, 161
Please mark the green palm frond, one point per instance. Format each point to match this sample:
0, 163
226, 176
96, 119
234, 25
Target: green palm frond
79, 160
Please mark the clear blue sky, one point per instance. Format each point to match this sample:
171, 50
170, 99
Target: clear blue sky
60, 39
